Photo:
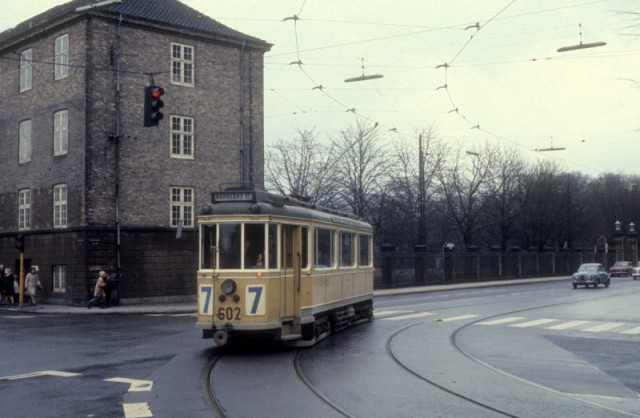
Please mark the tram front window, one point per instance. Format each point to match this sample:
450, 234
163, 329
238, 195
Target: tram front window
254, 246
229, 245
208, 246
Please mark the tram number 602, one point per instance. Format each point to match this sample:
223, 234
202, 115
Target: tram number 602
229, 314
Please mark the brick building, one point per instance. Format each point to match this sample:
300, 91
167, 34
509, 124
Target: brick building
83, 180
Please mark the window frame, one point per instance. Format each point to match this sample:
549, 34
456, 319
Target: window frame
61, 133
182, 64
181, 205
26, 70
180, 136
61, 57
59, 278
24, 209
60, 206
25, 132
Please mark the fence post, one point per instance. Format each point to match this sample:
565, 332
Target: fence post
387, 251
419, 263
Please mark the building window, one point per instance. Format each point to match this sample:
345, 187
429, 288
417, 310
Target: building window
61, 67
181, 64
181, 137
24, 147
59, 279
182, 207
60, 132
24, 209
60, 206
26, 57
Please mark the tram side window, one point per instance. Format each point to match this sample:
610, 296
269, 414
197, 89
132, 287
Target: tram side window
208, 246
229, 246
324, 248
365, 257
347, 248
305, 247
273, 246
254, 246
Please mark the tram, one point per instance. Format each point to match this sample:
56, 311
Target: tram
278, 269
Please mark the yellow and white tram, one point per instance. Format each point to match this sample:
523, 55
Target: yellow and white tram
279, 269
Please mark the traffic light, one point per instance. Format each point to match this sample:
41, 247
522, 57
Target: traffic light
20, 242
152, 105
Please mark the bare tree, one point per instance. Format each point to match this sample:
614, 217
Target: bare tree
361, 167
464, 180
505, 191
299, 166
408, 214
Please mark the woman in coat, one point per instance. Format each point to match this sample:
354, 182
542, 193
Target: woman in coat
31, 285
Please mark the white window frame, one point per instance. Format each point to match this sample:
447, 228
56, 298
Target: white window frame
59, 276
181, 207
61, 132
182, 64
60, 206
24, 209
182, 137
26, 70
24, 145
61, 47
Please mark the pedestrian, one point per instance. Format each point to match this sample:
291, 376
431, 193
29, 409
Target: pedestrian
99, 294
32, 284
9, 289
16, 287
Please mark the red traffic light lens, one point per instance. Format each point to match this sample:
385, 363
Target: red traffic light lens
157, 92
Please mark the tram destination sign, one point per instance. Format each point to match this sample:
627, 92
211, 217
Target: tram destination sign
234, 196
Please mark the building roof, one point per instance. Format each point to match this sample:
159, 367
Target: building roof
164, 12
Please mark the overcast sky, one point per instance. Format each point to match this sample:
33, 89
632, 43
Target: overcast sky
506, 79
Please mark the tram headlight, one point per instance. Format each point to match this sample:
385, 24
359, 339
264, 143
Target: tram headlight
228, 287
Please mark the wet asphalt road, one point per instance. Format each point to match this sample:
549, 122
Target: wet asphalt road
535, 350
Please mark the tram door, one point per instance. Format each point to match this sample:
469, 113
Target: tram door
291, 250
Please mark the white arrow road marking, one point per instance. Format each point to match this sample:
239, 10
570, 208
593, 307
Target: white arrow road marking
136, 385
137, 410
38, 374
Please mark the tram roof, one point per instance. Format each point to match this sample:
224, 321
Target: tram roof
260, 202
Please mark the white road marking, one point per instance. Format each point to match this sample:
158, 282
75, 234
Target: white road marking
137, 410
18, 317
567, 325
501, 320
458, 318
38, 374
635, 330
604, 327
136, 385
533, 323
408, 316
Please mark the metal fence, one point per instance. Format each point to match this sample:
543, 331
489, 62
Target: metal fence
397, 269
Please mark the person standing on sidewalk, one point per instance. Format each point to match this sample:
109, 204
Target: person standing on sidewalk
99, 291
31, 285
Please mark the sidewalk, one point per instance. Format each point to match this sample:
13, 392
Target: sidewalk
191, 307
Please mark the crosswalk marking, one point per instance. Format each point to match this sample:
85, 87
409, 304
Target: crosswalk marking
635, 330
501, 320
458, 318
533, 323
604, 327
409, 316
384, 313
567, 325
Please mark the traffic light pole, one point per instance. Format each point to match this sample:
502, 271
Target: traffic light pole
21, 298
